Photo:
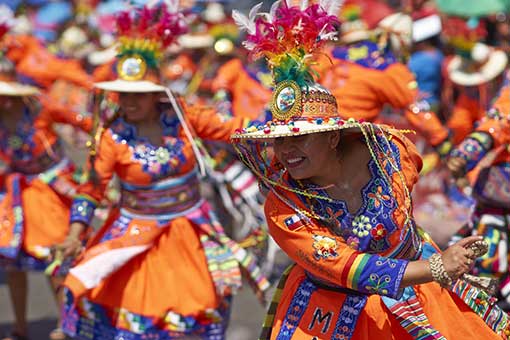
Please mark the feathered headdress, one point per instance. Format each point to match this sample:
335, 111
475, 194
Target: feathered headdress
143, 36
289, 36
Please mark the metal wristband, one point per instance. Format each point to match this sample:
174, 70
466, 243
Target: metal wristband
439, 274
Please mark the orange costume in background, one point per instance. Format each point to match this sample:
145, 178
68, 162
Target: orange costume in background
465, 113
39, 186
249, 90
161, 265
363, 79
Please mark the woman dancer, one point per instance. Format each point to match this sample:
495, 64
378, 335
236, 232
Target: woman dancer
38, 185
339, 205
161, 267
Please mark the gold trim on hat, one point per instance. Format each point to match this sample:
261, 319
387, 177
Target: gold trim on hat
294, 109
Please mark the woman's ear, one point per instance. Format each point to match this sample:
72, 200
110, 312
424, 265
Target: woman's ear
334, 139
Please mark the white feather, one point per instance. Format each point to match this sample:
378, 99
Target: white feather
332, 7
248, 45
254, 11
243, 22
272, 11
328, 36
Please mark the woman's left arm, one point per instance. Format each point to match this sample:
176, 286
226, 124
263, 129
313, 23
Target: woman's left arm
58, 113
208, 124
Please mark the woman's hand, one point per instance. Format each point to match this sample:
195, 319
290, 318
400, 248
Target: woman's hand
457, 166
71, 247
458, 259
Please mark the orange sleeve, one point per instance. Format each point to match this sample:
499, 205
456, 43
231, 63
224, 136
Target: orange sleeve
427, 124
400, 90
45, 68
327, 257
462, 118
498, 128
104, 72
58, 113
226, 75
90, 194
398, 87
208, 124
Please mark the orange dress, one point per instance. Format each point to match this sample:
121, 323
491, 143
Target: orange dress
466, 112
249, 91
161, 266
346, 281
38, 183
363, 81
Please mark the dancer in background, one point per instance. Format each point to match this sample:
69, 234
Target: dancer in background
484, 156
37, 179
161, 266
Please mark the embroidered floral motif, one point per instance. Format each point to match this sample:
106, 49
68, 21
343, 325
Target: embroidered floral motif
377, 196
378, 284
353, 242
361, 226
325, 247
376, 211
157, 161
379, 232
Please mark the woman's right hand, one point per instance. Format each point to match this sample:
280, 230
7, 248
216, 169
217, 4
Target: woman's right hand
458, 259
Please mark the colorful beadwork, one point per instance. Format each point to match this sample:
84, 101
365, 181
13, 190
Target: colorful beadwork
157, 161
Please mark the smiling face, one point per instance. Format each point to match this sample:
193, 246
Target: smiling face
307, 156
137, 107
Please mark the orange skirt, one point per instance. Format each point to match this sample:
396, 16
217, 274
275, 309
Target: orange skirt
151, 277
33, 218
445, 311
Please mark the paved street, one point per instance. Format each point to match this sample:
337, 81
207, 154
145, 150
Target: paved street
247, 313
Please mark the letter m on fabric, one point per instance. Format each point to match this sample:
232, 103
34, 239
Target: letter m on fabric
319, 319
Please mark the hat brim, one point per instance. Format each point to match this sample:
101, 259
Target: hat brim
14, 89
137, 86
297, 129
494, 66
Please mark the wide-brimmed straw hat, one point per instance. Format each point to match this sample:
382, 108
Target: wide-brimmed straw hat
297, 111
144, 35
485, 64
